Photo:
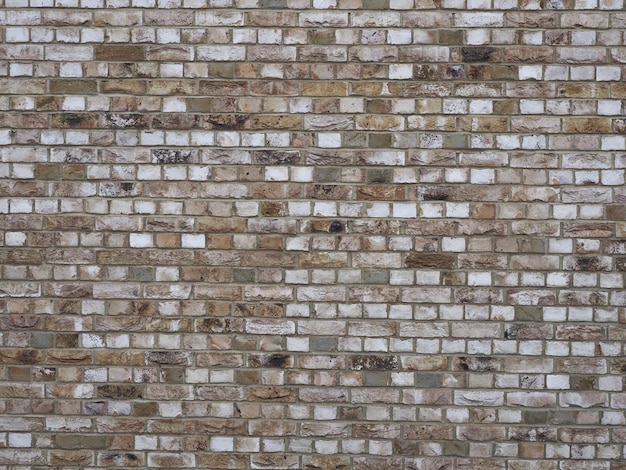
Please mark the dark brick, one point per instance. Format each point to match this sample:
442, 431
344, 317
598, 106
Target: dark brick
430, 260
478, 54
121, 53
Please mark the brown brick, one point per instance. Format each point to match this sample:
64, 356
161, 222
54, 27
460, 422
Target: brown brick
529, 54
124, 53
430, 260
23, 120
70, 86
277, 122
587, 125
135, 87
315, 88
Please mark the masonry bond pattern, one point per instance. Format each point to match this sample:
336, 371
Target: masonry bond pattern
312, 234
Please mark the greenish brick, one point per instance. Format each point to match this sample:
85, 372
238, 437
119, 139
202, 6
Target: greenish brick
536, 417
528, 313
354, 140
272, 3
428, 380
202, 105
141, 273
454, 141
43, 340
173, 375
323, 37
221, 70
376, 378
243, 275
375, 276
328, 175
450, 36
378, 141
457, 448
323, 343
95, 442
564, 417
69, 441
379, 175
533, 245
376, 4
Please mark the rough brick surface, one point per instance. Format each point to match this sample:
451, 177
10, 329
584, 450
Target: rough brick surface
312, 234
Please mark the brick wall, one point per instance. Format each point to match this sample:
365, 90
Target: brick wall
327, 234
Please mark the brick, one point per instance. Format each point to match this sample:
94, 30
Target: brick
75, 121
354, 234
119, 52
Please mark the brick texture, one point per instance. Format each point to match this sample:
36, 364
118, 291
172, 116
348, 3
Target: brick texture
312, 234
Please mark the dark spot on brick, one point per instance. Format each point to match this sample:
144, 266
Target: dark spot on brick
478, 364
477, 54
165, 156
270, 360
277, 360
336, 227
528, 331
374, 362
455, 71
321, 226
425, 72
72, 119
75, 120
588, 264
435, 196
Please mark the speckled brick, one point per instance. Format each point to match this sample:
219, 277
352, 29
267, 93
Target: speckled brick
320, 235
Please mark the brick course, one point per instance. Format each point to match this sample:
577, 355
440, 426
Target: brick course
327, 234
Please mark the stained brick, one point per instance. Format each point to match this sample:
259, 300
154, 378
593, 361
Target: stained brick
366, 235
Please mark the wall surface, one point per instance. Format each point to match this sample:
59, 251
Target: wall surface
312, 234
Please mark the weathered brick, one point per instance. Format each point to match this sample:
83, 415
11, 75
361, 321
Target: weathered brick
119, 52
371, 234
